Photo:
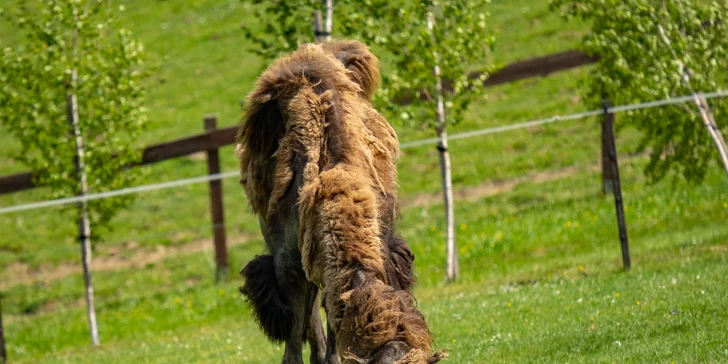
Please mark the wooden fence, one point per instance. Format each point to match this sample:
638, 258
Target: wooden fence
213, 138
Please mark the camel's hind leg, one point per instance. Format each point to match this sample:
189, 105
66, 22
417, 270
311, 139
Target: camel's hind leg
281, 295
299, 295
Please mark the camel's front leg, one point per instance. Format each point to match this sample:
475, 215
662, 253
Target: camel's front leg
315, 331
332, 356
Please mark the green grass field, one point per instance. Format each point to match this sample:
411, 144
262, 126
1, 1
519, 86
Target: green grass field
539, 253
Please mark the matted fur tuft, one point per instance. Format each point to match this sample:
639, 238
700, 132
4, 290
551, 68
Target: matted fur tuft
420, 357
399, 264
274, 316
376, 314
362, 64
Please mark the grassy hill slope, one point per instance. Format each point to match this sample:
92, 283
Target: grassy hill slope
539, 251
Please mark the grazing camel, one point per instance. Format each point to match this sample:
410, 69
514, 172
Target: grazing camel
318, 167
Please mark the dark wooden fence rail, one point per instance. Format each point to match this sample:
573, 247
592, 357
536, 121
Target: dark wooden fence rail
156, 153
213, 139
520, 70
538, 67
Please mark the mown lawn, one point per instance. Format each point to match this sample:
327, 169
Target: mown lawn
541, 278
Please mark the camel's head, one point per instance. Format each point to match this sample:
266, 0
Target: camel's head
391, 352
387, 317
398, 352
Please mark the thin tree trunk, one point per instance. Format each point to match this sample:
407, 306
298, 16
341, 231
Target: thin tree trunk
322, 28
329, 18
84, 226
453, 267
318, 31
712, 128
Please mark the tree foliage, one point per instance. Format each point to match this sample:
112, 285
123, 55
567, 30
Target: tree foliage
286, 23
459, 41
398, 28
35, 81
653, 50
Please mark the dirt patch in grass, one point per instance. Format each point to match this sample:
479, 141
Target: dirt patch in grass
491, 188
117, 258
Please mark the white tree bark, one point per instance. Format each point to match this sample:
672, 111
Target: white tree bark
84, 226
712, 128
322, 28
700, 102
452, 266
318, 26
329, 18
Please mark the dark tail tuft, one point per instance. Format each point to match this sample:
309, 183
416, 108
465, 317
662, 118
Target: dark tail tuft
399, 264
274, 315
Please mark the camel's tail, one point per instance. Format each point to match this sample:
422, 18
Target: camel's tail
274, 315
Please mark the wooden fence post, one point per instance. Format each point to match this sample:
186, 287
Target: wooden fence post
611, 146
216, 206
3, 353
607, 177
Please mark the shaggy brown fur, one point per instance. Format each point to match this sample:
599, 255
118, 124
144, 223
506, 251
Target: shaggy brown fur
363, 69
311, 132
362, 65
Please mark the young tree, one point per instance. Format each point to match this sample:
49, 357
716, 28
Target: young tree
652, 50
428, 43
72, 96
